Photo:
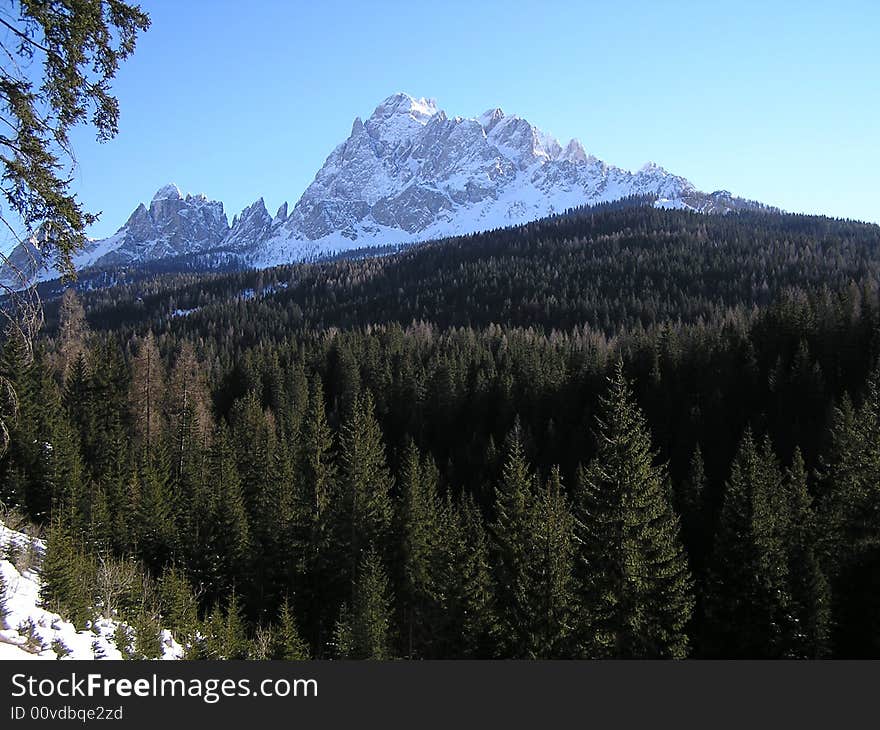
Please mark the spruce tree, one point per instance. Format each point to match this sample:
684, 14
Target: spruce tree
552, 580
64, 577
468, 625
636, 587
287, 644
222, 549
516, 552
364, 627
311, 533
421, 536
810, 591
178, 604
748, 614
365, 483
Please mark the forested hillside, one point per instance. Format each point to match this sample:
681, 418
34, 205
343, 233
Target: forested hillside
620, 432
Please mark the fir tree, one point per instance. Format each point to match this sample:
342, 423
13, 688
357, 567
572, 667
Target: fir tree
749, 611
287, 644
311, 520
421, 537
810, 591
636, 588
552, 580
516, 552
64, 577
365, 483
364, 627
179, 607
468, 618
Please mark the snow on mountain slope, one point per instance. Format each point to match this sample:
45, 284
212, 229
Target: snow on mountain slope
28, 631
408, 173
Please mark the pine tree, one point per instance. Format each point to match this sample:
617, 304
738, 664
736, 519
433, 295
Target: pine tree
552, 583
516, 552
64, 577
810, 591
636, 588
364, 627
147, 390
365, 483
748, 613
179, 607
421, 536
467, 624
311, 531
287, 644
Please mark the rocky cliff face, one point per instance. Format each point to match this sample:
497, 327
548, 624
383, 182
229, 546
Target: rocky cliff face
173, 225
408, 173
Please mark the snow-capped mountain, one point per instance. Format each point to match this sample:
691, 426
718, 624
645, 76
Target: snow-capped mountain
408, 173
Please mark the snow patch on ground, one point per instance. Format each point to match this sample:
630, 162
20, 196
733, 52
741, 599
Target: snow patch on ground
30, 632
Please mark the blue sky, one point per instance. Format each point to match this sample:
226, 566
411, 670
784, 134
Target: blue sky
776, 101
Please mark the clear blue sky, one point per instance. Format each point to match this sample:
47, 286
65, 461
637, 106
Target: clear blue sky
777, 101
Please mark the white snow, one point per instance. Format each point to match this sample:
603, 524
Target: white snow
28, 631
168, 192
407, 174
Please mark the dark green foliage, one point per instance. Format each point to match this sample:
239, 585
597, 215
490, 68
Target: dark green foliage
365, 484
269, 446
66, 577
364, 627
147, 639
68, 54
179, 609
287, 644
636, 586
421, 534
810, 591
227, 636
512, 533
749, 613
553, 580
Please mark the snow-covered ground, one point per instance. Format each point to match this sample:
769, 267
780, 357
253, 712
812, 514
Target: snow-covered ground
29, 632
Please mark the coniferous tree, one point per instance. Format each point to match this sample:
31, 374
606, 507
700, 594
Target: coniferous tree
468, 616
287, 644
849, 514
147, 390
811, 599
227, 633
749, 611
517, 555
311, 520
64, 577
421, 536
552, 579
365, 483
364, 627
179, 607
636, 588
223, 543
73, 330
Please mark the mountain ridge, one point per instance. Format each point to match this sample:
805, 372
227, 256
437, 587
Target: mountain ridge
406, 174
